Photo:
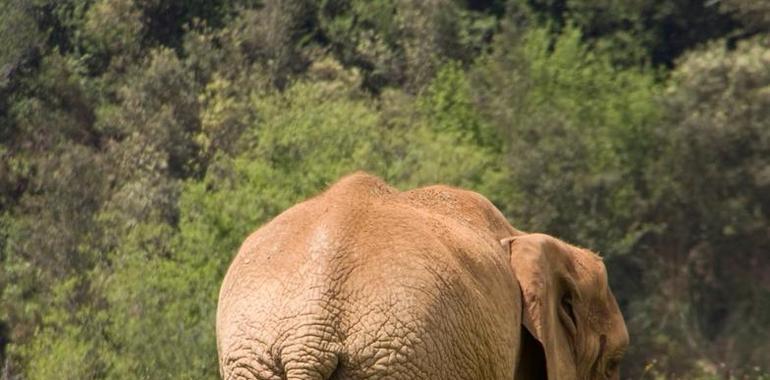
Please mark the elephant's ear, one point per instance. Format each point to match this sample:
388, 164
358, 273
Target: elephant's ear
543, 341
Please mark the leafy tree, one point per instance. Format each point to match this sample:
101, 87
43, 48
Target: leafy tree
711, 196
114, 29
576, 136
21, 39
753, 15
275, 36
404, 43
59, 187
633, 32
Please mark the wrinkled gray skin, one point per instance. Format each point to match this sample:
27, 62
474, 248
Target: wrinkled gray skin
366, 282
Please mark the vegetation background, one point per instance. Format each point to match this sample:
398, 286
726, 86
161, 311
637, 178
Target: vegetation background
142, 140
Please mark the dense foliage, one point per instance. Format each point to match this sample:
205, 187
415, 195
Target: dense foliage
142, 140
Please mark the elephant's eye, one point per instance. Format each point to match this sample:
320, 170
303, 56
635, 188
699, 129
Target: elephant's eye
566, 303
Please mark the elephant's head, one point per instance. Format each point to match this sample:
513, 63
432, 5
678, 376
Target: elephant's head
568, 309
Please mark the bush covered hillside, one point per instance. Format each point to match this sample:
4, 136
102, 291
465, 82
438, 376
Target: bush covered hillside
142, 140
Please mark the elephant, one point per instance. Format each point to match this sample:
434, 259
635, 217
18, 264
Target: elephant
366, 282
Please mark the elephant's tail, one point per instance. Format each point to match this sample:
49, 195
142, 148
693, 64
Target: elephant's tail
296, 362
313, 365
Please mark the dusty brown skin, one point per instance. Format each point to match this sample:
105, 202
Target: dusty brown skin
366, 282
